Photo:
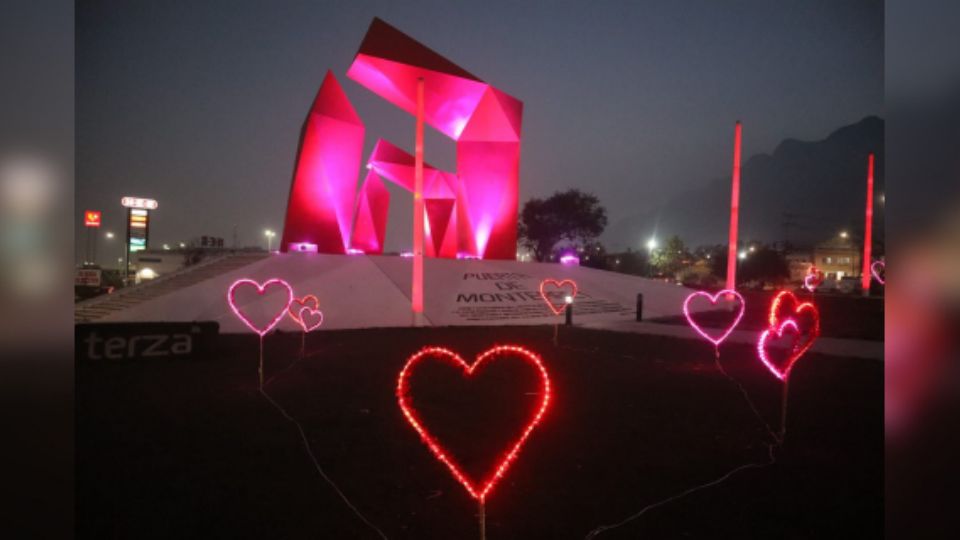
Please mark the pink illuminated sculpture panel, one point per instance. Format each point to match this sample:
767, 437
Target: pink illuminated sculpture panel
484, 121
322, 197
470, 213
439, 196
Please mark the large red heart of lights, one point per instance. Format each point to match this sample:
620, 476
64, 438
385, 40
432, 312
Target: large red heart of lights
729, 296
260, 328
805, 321
566, 287
298, 304
478, 489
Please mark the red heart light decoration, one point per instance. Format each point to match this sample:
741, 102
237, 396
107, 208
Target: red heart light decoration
261, 290
477, 490
785, 305
780, 309
780, 372
299, 303
558, 285
310, 319
713, 300
875, 270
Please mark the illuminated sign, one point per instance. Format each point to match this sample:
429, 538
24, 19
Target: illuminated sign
138, 229
138, 202
91, 218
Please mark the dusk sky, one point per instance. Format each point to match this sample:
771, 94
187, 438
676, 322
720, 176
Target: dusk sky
200, 104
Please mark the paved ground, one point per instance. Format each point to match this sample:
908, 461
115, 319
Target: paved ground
181, 449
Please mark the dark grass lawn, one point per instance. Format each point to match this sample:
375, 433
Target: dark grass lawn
191, 450
841, 315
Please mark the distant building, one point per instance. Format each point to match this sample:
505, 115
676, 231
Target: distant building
799, 263
837, 258
153, 263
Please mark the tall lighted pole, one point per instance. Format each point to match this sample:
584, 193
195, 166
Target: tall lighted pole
417, 288
868, 230
734, 212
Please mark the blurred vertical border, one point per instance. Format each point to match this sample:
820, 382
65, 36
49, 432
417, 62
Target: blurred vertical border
36, 235
922, 369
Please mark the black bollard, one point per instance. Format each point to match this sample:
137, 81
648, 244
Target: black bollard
569, 315
639, 307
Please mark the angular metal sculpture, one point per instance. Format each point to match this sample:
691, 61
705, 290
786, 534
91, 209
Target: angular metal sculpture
472, 212
439, 195
370, 226
323, 193
484, 121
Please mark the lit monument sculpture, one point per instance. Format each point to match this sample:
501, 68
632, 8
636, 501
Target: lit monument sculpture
472, 212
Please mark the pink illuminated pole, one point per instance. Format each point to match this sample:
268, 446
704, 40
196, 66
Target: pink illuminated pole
868, 230
734, 212
417, 292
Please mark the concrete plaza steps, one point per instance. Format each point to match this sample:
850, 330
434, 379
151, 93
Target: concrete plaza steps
103, 306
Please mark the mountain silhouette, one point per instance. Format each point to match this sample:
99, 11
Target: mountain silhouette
804, 192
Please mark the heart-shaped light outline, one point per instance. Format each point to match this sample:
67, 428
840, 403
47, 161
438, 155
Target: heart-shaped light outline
310, 311
800, 307
713, 301
480, 493
876, 273
295, 314
813, 274
559, 285
791, 360
231, 292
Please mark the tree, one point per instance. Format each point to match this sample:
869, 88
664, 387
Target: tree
571, 216
672, 257
764, 264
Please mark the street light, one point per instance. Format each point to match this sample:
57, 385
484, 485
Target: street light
651, 244
269, 234
110, 236
843, 234
742, 255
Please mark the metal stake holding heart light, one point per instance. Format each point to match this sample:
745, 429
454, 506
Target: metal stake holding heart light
784, 316
306, 313
274, 318
480, 488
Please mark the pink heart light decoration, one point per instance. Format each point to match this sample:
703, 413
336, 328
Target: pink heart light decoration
795, 352
875, 270
310, 319
261, 290
713, 300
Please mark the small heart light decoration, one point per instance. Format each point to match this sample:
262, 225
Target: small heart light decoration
568, 284
876, 268
785, 310
727, 294
813, 279
297, 304
310, 319
274, 283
